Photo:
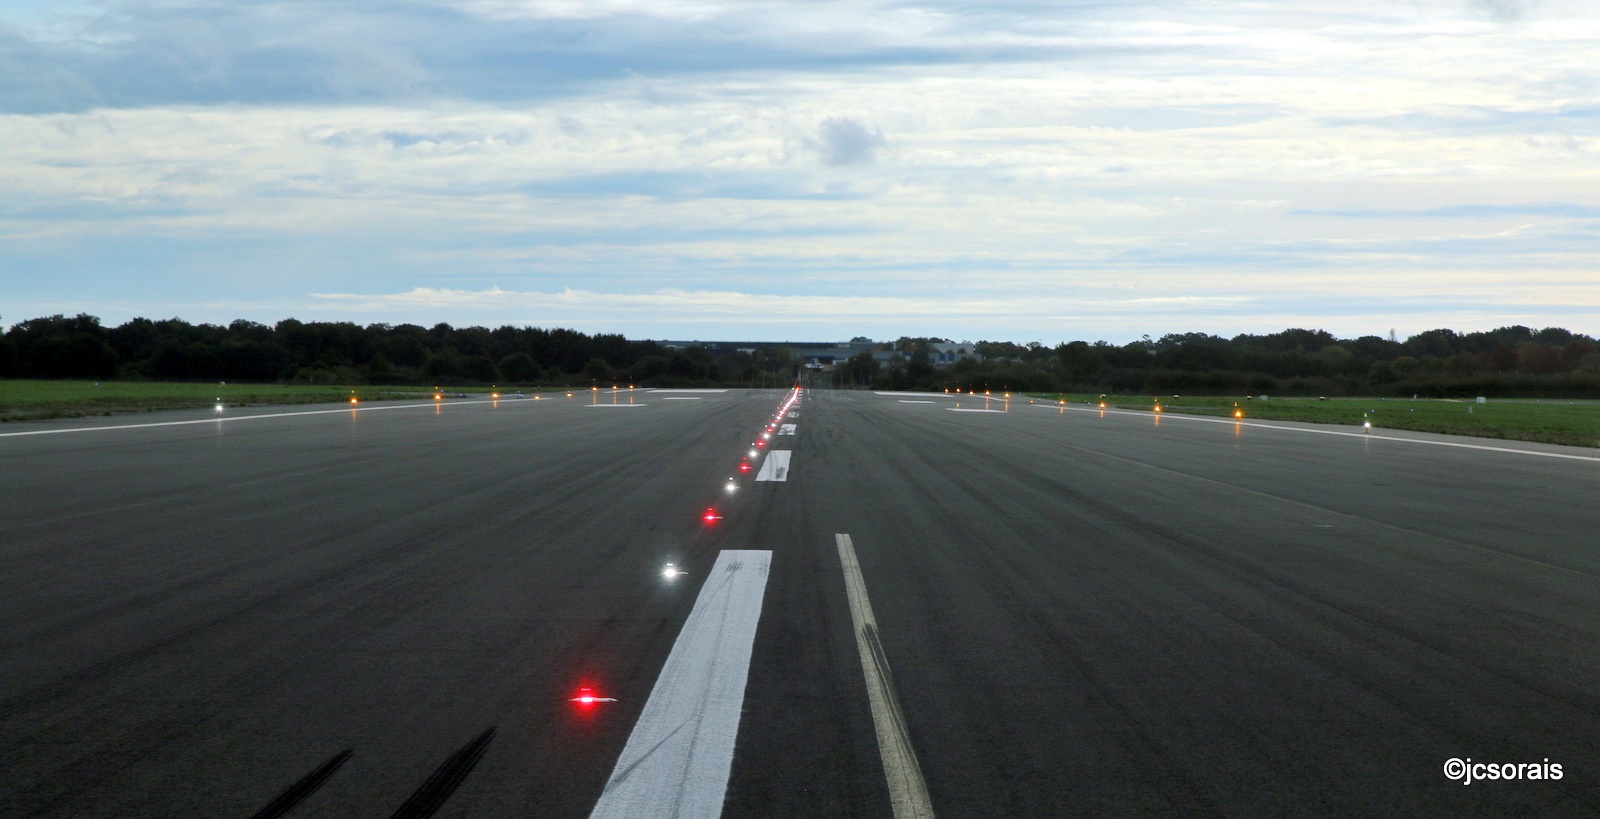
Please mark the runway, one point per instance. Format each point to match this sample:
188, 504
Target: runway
388, 610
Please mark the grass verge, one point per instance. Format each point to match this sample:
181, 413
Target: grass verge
1550, 421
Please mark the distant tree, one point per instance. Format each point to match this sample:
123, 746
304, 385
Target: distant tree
379, 371
481, 369
247, 360
444, 365
649, 368
1537, 359
61, 347
597, 369
519, 368
860, 368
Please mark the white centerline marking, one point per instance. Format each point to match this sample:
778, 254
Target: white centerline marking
904, 401
775, 467
680, 398
908, 793
689, 390
786, 429
617, 406
677, 759
962, 409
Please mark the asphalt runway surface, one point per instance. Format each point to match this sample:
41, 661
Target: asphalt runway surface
1048, 611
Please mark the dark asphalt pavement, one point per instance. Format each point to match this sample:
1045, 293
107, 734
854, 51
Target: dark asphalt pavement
1085, 614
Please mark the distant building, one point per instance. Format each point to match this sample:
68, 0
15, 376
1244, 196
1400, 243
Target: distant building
945, 353
888, 358
827, 356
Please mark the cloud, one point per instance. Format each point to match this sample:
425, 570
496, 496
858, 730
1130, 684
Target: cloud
1074, 152
1503, 9
1565, 210
673, 305
847, 141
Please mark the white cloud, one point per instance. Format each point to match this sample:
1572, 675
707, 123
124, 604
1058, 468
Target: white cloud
1181, 148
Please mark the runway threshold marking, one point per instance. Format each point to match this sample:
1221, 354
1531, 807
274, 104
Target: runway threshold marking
775, 467
908, 792
677, 759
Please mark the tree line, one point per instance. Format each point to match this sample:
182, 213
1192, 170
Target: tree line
347, 353
1513, 360
1509, 361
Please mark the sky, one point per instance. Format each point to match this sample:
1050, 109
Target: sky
1019, 170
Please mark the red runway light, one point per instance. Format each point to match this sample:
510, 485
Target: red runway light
711, 516
761, 443
744, 466
586, 697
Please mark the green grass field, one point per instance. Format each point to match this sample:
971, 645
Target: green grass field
27, 400
1575, 423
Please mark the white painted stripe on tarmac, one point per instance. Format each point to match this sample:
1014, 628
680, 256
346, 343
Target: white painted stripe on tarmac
1365, 436
680, 398
787, 429
689, 390
614, 406
677, 759
775, 467
904, 401
921, 394
908, 792
963, 409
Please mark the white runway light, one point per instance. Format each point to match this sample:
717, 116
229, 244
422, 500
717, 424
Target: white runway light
219, 408
671, 572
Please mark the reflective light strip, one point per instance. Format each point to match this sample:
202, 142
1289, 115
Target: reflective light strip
908, 793
775, 467
677, 759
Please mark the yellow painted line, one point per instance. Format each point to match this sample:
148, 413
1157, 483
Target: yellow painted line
908, 793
